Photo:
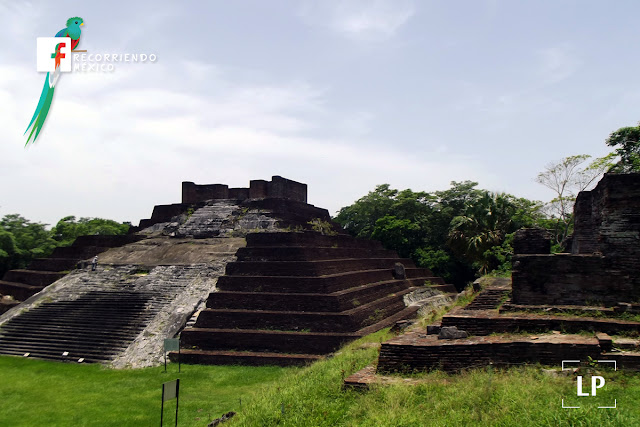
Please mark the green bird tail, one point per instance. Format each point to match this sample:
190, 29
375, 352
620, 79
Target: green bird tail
40, 115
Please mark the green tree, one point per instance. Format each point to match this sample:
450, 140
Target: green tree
8, 251
32, 240
68, 228
485, 224
626, 141
419, 225
566, 179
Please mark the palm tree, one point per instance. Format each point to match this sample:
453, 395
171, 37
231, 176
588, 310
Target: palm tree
484, 224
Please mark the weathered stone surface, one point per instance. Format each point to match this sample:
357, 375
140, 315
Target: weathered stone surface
603, 265
401, 326
278, 187
222, 419
451, 333
398, 271
433, 329
532, 241
414, 351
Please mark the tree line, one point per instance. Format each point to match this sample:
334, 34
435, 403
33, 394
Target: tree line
458, 233
464, 231
22, 240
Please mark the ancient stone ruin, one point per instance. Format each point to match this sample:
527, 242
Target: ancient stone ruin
542, 313
604, 263
258, 276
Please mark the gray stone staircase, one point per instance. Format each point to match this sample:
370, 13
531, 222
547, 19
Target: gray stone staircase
95, 316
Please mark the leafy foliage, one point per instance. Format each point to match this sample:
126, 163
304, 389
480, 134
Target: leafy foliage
323, 227
627, 143
68, 228
22, 240
452, 232
566, 179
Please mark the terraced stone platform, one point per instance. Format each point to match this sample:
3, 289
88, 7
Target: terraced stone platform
98, 316
22, 283
291, 298
504, 338
418, 351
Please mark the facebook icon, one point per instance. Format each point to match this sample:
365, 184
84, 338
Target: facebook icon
52, 52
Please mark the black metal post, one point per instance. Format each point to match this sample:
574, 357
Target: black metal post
177, 398
162, 406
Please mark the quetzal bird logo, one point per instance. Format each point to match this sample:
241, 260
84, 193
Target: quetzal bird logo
73, 31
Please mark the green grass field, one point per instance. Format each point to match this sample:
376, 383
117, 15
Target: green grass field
54, 394
41, 393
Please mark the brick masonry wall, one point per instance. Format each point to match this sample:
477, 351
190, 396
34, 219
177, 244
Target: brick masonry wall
424, 353
565, 279
478, 324
278, 187
605, 255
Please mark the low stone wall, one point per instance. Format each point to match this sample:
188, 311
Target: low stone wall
418, 352
569, 279
486, 324
604, 261
278, 187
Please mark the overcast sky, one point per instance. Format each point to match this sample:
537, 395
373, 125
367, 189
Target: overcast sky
341, 95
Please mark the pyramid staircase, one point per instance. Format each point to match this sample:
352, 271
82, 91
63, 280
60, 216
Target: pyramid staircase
97, 316
20, 284
291, 298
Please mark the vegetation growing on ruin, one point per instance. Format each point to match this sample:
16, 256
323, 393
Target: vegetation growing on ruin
457, 233
22, 240
49, 393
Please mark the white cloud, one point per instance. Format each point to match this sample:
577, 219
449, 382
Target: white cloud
118, 151
359, 19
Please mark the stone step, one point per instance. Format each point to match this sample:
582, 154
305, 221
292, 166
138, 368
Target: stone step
53, 264
78, 342
323, 284
309, 239
413, 273
264, 340
627, 360
292, 284
417, 351
107, 241
78, 252
347, 321
212, 357
59, 346
37, 328
302, 253
333, 302
32, 277
44, 354
508, 306
486, 323
76, 319
18, 291
626, 343
404, 314
488, 299
311, 268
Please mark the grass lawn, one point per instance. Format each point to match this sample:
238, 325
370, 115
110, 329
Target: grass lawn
42, 393
54, 394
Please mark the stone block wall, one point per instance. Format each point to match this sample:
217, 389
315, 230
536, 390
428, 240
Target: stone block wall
278, 187
565, 279
604, 264
532, 241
